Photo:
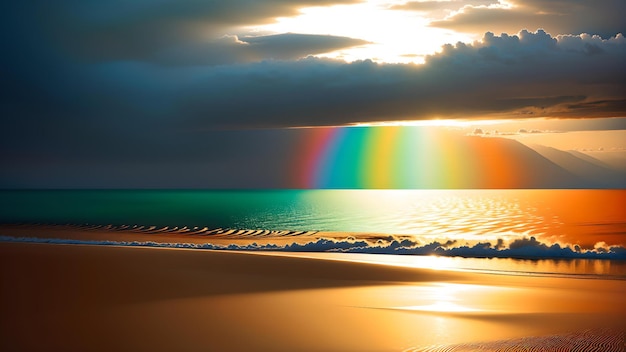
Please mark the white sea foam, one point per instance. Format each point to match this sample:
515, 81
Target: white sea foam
529, 248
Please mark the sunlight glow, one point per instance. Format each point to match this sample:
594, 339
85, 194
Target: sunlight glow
442, 306
438, 123
443, 298
397, 36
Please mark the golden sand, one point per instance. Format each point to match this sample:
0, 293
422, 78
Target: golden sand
602, 340
103, 298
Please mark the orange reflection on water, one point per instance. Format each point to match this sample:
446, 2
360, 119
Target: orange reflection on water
590, 268
570, 217
584, 217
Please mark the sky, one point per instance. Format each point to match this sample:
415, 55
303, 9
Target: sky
287, 94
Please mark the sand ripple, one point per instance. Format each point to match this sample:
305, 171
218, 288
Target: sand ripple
584, 341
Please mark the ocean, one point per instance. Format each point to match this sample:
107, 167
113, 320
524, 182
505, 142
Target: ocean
586, 218
583, 225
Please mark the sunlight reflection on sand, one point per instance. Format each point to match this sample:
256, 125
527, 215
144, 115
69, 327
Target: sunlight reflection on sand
144, 298
446, 298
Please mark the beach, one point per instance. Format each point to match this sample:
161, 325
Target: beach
336, 175
93, 297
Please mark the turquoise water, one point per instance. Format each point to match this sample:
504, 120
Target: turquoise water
456, 214
585, 224
213, 209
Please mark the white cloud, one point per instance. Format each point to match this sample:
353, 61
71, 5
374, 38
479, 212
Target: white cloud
555, 16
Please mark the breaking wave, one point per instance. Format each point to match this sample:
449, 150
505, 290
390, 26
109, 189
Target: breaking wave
522, 248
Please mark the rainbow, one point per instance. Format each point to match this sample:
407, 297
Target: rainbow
401, 157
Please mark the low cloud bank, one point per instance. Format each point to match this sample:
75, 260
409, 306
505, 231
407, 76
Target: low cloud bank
523, 248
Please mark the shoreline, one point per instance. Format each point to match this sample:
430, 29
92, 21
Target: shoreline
526, 248
79, 297
610, 269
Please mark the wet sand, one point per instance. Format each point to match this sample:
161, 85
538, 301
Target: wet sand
102, 298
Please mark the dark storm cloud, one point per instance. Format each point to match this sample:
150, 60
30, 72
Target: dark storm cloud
290, 45
169, 31
604, 18
148, 157
532, 74
231, 49
86, 99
